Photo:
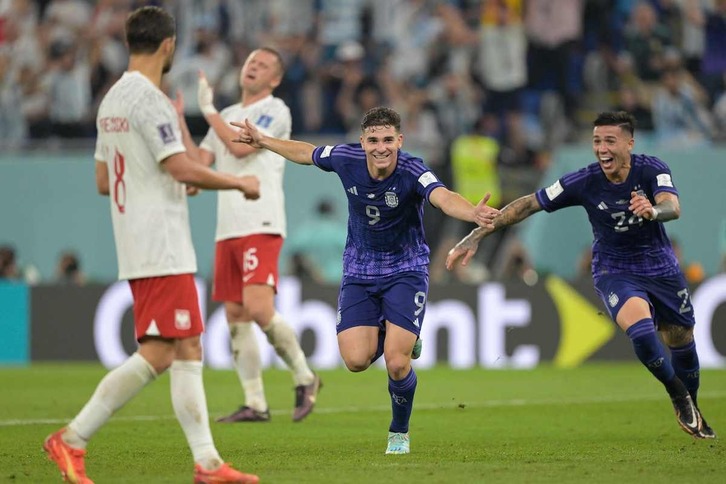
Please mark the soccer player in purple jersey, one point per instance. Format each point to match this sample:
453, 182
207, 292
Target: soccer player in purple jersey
383, 293
636, 274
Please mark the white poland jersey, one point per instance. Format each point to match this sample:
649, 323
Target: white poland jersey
236, 216
137, 129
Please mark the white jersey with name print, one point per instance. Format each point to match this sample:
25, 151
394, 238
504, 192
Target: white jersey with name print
137, 129
237, 217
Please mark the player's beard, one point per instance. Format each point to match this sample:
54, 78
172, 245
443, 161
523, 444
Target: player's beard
168, 62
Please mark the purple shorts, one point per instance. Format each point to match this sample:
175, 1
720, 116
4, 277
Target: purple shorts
669, 296
400, 299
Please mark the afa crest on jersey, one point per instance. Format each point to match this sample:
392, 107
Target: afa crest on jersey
391, 199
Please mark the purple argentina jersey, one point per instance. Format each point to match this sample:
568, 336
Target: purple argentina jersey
385, 226
623, 243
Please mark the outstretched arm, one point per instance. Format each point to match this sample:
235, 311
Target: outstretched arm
185, 170
298, 152
513, 213
454, 205
205, 98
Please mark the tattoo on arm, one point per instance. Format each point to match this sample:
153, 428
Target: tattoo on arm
513, 213
668, 209
517, 211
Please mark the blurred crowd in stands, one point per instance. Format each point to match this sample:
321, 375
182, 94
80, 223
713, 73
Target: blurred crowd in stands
528, 73
487, 89
67, 271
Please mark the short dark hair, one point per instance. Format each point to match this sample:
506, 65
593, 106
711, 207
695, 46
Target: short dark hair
622, 119
381, 116
147, 27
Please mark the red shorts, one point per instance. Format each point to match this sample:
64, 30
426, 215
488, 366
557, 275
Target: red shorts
166, 306
242, 261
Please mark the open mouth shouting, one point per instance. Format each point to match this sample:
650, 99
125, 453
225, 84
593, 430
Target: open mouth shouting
606, 162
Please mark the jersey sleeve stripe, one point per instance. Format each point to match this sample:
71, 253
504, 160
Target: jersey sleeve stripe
571, 178
411, 164
653, 161
349, 151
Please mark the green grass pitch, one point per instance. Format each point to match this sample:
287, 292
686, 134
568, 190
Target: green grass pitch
604, 423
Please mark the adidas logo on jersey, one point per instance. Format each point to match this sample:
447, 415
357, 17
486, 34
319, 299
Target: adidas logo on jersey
353, 190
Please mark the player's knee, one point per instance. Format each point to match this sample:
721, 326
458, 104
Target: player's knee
188, 349
234, 312
397, 365
158, 353
260, 313
160, 361
163, 365
356, 363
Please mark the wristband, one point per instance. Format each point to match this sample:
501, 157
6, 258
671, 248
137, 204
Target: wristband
205, 97
655, 212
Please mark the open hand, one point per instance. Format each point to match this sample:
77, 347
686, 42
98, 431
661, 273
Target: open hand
485, 214
205, 95
178, 103
466, 248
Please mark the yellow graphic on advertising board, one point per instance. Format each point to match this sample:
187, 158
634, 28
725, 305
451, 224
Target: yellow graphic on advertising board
583, 328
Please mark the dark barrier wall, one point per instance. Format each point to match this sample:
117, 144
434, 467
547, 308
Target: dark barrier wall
494, 325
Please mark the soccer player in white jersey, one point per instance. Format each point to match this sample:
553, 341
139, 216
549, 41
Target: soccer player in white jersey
250, 234
142, 164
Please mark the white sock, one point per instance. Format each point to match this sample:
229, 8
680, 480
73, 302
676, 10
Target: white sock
247, 362
190, 407
283, 339
115, 389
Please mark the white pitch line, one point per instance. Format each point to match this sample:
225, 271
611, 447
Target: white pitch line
451, 405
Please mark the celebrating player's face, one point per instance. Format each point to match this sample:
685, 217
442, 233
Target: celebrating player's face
612, 146
381, 144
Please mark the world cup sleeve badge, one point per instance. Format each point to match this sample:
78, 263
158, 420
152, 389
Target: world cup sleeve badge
166, 133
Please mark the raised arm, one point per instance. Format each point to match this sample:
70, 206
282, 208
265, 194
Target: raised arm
205, 97
193, 151
298, 152
513, 213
